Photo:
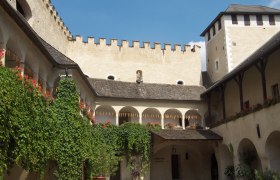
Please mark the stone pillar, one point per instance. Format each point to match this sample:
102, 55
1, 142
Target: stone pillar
36, 77
22, 65
117, 118
183, 121
140, 118
2, 55
162, 121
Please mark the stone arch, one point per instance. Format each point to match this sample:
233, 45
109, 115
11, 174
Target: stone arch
173, 117
24, 9
193, 119
128, 114
105, 113
13, 53
272, 149
248, 155
151, 115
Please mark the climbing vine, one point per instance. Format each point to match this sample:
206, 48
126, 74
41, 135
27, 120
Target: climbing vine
35, 129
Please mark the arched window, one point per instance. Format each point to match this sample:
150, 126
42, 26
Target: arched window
24, 9
111, 77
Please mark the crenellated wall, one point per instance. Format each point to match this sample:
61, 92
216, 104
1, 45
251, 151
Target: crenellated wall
100, 58
159, 63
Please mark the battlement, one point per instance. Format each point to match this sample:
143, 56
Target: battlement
57, 18
156, 46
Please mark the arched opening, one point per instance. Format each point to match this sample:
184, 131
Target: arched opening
24, 9
248, 155
12, 54
105, 114
172, 118
128, 114
193, 119
272, 148
214, 168
151, 115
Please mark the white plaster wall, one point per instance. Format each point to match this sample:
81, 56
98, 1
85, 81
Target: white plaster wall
232, 100
245, 127
244, 40
216, 50
48, 25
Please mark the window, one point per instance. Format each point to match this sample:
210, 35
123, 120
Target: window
275, 91
111, 77
271, 19
208, 34
180, 82
259, 20
214, 30
234, 19
217, 65
246, 20
219, 24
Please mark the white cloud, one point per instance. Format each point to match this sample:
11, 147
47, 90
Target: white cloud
274, 3
202, 53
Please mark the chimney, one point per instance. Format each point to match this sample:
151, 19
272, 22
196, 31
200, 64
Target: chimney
139, 77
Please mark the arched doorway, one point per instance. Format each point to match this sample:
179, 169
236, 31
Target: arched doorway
214, 168
193, 119
128, 114
105, 114
151, 115
272, 149
248, 155
172, 117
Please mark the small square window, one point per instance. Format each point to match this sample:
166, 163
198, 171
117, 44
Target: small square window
234, 19
246, 20
219, 24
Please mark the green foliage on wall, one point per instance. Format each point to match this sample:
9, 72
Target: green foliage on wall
35, 130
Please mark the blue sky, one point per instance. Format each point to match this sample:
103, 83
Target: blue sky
165, 21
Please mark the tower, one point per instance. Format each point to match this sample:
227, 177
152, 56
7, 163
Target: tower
235, 34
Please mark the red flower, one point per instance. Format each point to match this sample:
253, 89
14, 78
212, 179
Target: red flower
1, 53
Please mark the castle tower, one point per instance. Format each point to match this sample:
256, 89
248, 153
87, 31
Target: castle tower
235, 34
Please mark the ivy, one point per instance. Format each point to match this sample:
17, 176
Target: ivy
34, 130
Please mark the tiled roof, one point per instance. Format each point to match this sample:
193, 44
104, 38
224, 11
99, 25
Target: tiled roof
237, 8
242, 9
188, 134
57, 55
119, 89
